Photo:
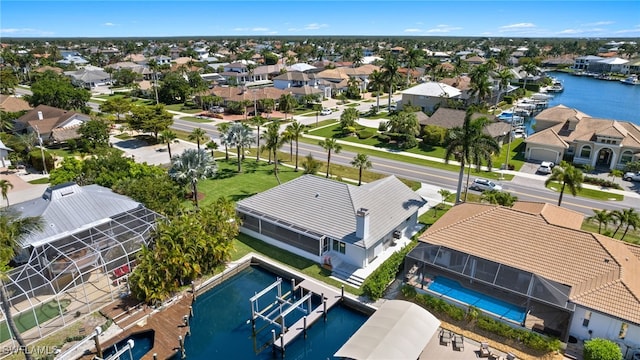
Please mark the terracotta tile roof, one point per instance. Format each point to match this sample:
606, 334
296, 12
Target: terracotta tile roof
458, 82
602, 272
64, 134
237, 94
552, 214
560, 114
42, 69
335, 75
547, 137
13, 104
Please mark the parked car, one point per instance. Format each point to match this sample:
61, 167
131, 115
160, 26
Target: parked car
630, 176
216, 109
546, 167
484, 185
325, 111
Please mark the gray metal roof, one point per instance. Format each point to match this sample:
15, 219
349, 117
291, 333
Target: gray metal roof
68, 208
323, 206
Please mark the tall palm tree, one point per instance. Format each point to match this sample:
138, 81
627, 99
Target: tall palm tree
504, 77
469, 144
191, 166
5, 185
12, 230
376, 83
223, 128
295, 129
286, 104
632, 220
330, 144
198, 135
362, 162
167, 137
529, 69
569, 176
153, 65
258, 121
240, 135
273, 142
412, 60
602, 217
390, 73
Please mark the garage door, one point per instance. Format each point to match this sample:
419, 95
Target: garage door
543, 155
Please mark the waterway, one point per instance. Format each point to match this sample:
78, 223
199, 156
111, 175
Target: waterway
599, 98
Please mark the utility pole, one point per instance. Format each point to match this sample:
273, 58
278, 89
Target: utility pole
44, 162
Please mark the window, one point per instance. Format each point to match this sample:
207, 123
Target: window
585, 152
339, 246
587, 318
626, 157
623, 330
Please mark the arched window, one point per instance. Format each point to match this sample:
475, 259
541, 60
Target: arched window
585, 152
626, 157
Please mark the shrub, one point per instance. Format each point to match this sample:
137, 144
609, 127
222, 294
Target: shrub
433, 135
376, 283
384, 138
35, 159
632, 166
528, 338
601, 182
365, 134
601, 349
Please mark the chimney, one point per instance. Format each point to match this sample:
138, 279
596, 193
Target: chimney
40, 117
362, 223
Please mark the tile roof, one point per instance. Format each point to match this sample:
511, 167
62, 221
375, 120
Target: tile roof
329, 207
544, 240
13, 104
547, 137
51, 118
234, 93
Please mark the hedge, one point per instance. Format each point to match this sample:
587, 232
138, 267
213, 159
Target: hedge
601, 182
375, 285
365, 134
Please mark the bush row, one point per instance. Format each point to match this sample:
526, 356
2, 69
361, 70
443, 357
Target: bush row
365, 134
375, 285
528, 338
601, 182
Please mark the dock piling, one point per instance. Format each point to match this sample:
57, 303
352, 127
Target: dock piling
282, 344
342, 292
155, 356
324, 308
304, 327
183, 354
185, 320
190, 311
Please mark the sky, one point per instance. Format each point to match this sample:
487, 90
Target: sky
119, 18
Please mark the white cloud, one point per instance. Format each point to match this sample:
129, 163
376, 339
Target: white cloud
240, 29
315, 26
518, 26
627, 31
571, 31
412, 30
260, 29
109, 24
599, 23
443, 29
26, 32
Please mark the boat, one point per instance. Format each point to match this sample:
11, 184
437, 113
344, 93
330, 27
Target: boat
556, 86
631, 80
519, 133
541, 96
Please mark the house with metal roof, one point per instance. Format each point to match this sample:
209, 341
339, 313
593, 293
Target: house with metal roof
602, 143
331, 222
532, 266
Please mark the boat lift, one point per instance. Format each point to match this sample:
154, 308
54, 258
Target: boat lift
280, 308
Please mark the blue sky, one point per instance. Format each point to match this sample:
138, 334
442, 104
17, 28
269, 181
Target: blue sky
118, 18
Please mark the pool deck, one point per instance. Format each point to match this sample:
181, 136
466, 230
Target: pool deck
436, 350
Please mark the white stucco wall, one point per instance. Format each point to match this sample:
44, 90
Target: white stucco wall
603, 326
281, 245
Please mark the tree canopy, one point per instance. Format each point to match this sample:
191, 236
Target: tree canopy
57, 91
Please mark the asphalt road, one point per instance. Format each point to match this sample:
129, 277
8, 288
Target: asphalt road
525, 189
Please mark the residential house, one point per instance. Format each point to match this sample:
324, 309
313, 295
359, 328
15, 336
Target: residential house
13, 104
301, 67
4, 155
429, 95
89, 77
450, 118
160, 60
609, 65
292, 79
142, 70
462, 83
76, 60
234, 93
331, 222
582, 62
546, 273
564, 132
52, 124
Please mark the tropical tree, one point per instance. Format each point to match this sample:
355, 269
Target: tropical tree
12, 230
390, 75
95, 132
5, 185
198, 135
348, 120
257, 121
118, 106
153, 119
627, 218
469, 145
286, 104
273, 142
240, 136
569, 176
311, 165
167, 137
362, 162
498, 197
295, 130
191, 166
529, 69
376, 84
212, 146
330, 145
602, 217
223, 128
444, 193
412, 60
504, 78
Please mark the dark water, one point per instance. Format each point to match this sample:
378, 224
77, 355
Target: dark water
599, 98
219, 328
142, 343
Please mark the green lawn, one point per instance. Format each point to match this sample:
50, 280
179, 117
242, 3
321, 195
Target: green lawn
184, 109
135, 101
633, 235
334, 132
44, 180
196, 120
27, 320
517, 154
588, 193
323, 123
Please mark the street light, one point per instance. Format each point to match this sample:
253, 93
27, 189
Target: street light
317, 113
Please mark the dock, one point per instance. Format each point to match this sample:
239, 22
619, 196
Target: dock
331, 297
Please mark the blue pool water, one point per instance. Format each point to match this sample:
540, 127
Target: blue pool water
219, 328
454, 290
142, 343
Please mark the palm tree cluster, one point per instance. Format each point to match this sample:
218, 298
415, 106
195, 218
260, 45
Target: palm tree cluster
187, 247
627, 219
239, 136
191, 166
273, 142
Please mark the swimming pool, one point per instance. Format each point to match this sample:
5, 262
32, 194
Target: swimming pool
219, 328
142, 343
454, 290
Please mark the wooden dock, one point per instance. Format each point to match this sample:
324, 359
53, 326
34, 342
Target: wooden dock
332, 298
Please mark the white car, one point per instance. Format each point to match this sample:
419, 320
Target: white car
630, 176
325, 112
546, 167
484, 185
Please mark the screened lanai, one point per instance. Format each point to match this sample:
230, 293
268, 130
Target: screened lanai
76, 273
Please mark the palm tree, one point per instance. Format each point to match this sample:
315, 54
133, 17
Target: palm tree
223, 128
198, 135
240, 135
362, 162
295, 129
529, 69
12, 230
258, 121
213, 146
330, 145
153, 65
390, 73
191, 166
286, 104
5, 185
376, 83
569, 176
602, 217
632, 219
412, 59
310, 165
167, 137
504, 76
469, 144
273, 142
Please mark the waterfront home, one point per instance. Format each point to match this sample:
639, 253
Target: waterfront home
89, 77
427, 95
582, 62
532, 266
51, 123
609, 65
602, 143
331, 222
